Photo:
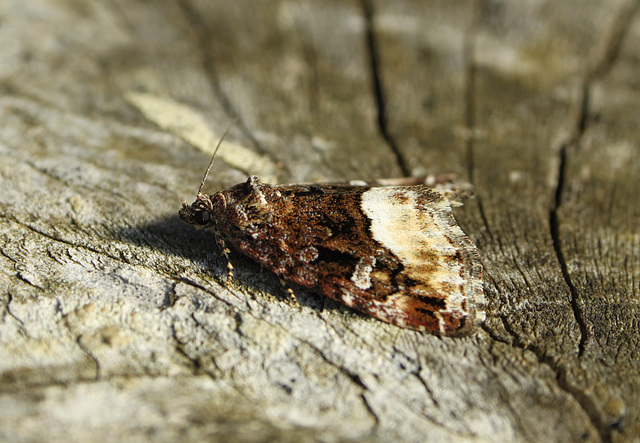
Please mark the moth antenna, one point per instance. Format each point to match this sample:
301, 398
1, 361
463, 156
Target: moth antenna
215, 151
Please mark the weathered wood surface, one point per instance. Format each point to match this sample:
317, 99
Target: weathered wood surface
114, 321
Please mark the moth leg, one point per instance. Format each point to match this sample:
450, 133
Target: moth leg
226, 252
292, 295
229, 269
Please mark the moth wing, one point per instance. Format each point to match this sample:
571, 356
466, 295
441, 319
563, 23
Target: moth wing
395, 253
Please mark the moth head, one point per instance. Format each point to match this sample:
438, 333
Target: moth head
204, 211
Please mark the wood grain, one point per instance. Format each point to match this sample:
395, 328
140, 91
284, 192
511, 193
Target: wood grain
115, 323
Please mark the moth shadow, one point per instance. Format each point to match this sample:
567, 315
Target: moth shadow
172, 237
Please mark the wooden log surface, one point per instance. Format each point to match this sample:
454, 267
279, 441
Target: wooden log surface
116, 323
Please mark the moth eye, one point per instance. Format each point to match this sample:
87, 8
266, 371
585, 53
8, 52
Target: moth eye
202, 217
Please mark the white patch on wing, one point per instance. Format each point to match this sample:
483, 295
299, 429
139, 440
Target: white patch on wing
414, 232
441, 323
362, 275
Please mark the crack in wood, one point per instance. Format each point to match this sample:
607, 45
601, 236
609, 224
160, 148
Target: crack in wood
83, 348
7, 309
554, 225
603, 60
202, 37
585, 403
468, 55
606, 54
378, 90
194, 363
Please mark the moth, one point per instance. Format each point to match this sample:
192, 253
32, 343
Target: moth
392, 252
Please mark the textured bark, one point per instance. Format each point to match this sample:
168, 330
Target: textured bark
115, 322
